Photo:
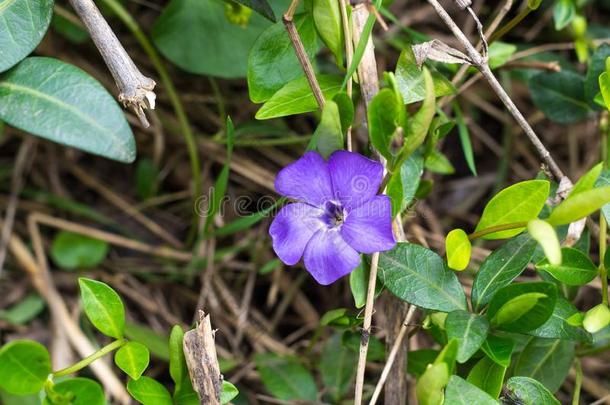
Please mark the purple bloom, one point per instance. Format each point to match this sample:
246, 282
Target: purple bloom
337, 216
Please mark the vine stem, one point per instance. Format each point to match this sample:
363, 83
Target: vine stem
349, 55
577, 382
90, 359
497, 228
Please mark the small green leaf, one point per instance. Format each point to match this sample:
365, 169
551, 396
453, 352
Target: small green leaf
383, 115
404, 183
597, 67
103, 307
564, 12
24, 311
579, 206
411, 83
587, 181
148, 391
458, 249
132, 358
147, 176
469, 329
358, 282
516, 308
285, 378
545, 235
337, 367
576, 268
500, 53
488, 376
429, 388
546, 360
436, 162
329, 135
295, 97
461, 392
24, 367
597, 318
518, 203
229, 391
529, 392
73, 251
71, 108
419, 123
327, 16
604, 86
346, 110
560, 96
261, 7
464, 138
499, 349
82, 391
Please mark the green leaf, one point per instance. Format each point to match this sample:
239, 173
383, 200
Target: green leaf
383, 113
132, 358
529, 392
580, 206
327, 17
464, 138
24, 24
587, 181
419, 276
418, 125
545, 235
576, 267
410, 79
351, 340
148, 391
73, 251
329, 135
103, 307
500, 53
272, 61
597, 318
419, 360
429, 388
558, 327
261, 7
560, 96
229, 391
488, 376
546, 360
461, 392
24, 311
520, 202
337, 367
83, 391
501, 267
177, 363
436, 162
215, 46
604, 86
564, 12
470, 330
403, 184
296, 97
522, 307
498, 349
155, 342
24, 367
71, 107
458, 249
346, 110
597, 66
285, 378
602, 181
147, 175
358, 282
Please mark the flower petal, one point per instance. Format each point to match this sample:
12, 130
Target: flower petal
328, 257
355, 178
306, 180
368, 228
292, 228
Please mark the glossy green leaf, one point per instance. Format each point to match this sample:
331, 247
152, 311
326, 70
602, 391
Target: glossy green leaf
403, 184
296, 97
520, 202
560, 96
564, 12
24, 367
501, 267
529, 392
597, 318
229, 391
580, 206
558, 325
23, 311
73, 251
461, 392
383, 115
337, 367
419, 276
260, 6
272, 61
148, 391
522, 307
545, 235
499, 349
215, 46
327, 17
576, 267
410, 79
329, 134
132, 358
24, 24
469, 329
458, 248
71, 107
82, 391
587, 181
488, 376
103, 307
597, 66
546, 360
285, 378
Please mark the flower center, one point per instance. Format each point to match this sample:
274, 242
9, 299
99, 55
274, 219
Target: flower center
334, 214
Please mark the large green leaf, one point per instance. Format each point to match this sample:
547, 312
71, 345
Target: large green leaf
419, 276
469, 329
286, 378
597, 66
560, 96
410, 79
327, 17
272, 61
488, 376
133, 359
296, 97
196, 35
557, 327
148, 391
546, 360
501, 267
24, 367
520, 202
522, 307
461, 392
24, 23
529, 392
579, 206
576, 268
103, 307
82, 391
337, 367
60, 102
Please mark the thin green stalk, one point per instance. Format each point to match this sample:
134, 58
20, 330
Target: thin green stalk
510, 25
577, 382
154, 57
90, 359
497, 228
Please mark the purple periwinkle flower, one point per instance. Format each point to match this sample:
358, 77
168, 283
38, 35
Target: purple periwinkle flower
337, 216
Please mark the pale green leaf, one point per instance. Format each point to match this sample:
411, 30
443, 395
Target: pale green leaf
458, 247
545, 235
132, 358
103, 307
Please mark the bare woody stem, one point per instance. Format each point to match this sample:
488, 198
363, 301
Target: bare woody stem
135, 89
299, 49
